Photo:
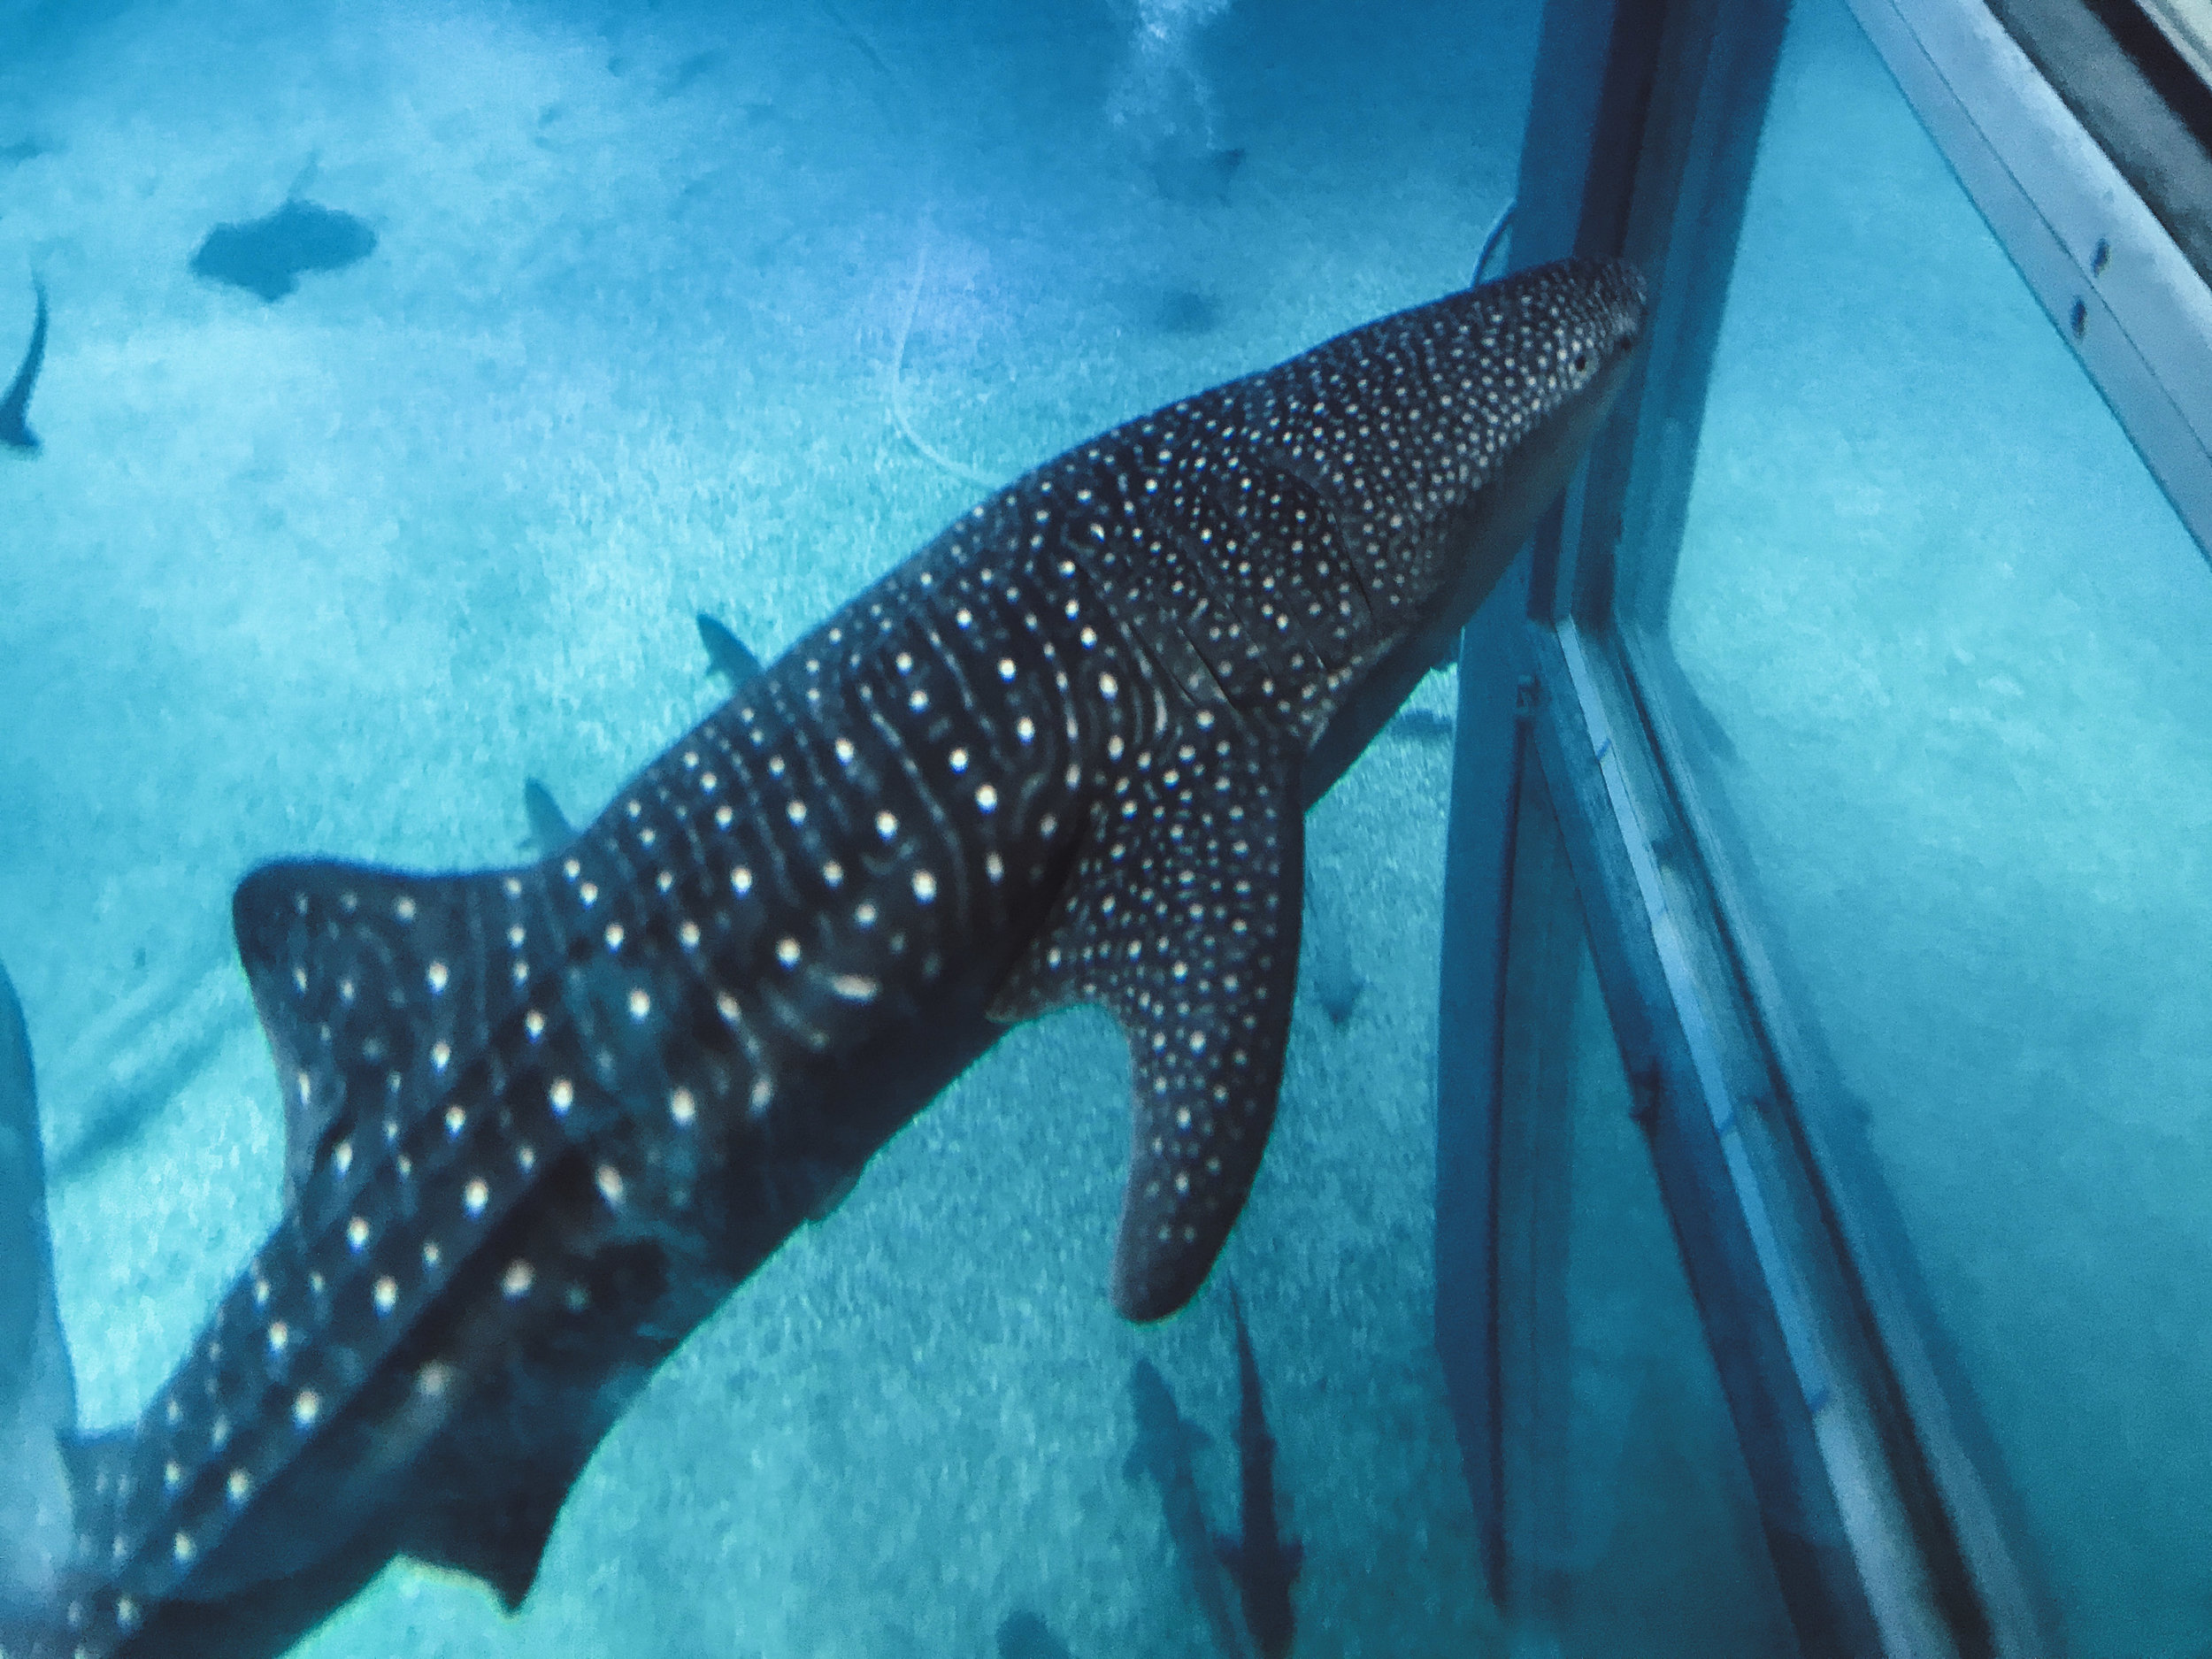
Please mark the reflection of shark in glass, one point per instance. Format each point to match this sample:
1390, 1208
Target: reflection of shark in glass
543, 1121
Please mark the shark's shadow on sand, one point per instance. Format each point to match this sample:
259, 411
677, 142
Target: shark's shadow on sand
266, 256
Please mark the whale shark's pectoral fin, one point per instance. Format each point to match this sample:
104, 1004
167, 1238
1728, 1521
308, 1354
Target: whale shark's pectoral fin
1181, 917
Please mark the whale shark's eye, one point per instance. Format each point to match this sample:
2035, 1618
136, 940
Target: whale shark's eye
1582, 361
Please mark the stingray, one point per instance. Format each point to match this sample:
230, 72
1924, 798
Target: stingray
265, 255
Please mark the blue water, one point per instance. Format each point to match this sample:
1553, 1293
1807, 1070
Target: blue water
670, 310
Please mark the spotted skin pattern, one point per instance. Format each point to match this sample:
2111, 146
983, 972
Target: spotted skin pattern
543, 1121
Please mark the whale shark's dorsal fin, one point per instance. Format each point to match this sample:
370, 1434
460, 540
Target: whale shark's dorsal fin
362, 977
15, 403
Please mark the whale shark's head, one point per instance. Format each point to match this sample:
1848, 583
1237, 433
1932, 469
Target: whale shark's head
1430, 442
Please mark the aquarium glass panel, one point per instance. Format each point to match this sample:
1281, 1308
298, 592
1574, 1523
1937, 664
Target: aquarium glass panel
442, 409
1633, 1527
1945, 647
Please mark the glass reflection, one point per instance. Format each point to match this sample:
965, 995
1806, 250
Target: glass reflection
1941, 649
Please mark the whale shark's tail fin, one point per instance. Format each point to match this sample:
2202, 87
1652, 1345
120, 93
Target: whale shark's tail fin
38, 1393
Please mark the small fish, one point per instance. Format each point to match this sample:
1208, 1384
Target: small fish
1166, 1440
15, 404
1023, 1635
691, 71
1493, 239
1193, 175
267, 256
1328, 970
727, 654
1264, 1562
1420, 726
549, 828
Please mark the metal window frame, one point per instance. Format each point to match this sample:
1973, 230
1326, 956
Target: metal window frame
2116, 285
1891, 1529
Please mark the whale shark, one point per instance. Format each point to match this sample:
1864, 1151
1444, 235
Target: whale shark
543, 1120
